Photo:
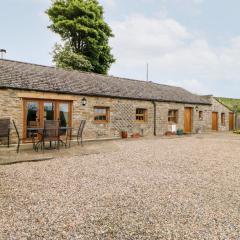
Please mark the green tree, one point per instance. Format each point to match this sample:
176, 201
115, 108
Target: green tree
64, 57
84, 33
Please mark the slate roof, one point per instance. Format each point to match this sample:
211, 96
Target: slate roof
20, 75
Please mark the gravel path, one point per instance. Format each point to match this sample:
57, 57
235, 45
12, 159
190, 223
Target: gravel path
186, 188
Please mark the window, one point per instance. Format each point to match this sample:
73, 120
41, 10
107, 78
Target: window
200, 114
48, 110
223, 119
172, 116
101, 114
141, 114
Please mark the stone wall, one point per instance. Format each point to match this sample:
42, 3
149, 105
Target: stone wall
202, 124
11, 107
122, 114
220, 108
122, 117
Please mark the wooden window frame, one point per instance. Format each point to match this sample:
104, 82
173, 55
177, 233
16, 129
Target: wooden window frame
223, 119
175, 116
141, 115
200, 115
107, 115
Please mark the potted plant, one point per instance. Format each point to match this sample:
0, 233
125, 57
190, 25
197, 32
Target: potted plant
135, 135
169, 133
198, 130
180, 132
124, 133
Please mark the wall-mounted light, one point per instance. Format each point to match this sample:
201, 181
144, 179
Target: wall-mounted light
84, 101
196, 108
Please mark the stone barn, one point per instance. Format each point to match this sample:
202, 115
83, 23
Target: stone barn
31, 94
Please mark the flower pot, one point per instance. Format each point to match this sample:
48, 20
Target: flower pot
168, 133
124, 134
135, 135
180, 132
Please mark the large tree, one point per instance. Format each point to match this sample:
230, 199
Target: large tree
84, 33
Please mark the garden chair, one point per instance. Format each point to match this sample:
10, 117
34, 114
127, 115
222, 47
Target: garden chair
80, 131
18, 135
5, 129
51, 132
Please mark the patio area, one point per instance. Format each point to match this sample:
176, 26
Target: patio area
150, 188
27, 154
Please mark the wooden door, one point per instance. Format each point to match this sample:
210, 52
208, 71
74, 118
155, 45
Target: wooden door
188, 120
215, 121
231, 121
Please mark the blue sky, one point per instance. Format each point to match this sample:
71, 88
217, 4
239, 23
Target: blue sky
194, 44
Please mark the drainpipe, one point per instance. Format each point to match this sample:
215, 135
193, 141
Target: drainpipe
236, 120
235, 110
154, 118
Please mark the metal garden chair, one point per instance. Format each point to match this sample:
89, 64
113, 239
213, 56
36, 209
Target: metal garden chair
80, 131
18, 136
51, 132
5, 129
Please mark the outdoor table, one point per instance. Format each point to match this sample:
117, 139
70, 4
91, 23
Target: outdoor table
40, 131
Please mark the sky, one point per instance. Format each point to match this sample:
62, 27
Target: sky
194, 44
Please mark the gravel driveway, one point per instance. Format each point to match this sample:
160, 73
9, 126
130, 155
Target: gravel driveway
181, 188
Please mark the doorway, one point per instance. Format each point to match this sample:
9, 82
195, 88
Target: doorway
188, 120
215, 121
36, 111
231, 121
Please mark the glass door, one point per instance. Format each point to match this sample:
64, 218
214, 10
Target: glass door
32, 116
64, 115
37, 111
48, 111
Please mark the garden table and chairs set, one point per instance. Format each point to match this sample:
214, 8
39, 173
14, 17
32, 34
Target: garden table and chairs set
51, 133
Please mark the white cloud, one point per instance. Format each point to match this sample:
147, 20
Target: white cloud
108, 3
175, 54
192, 85
198, 1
